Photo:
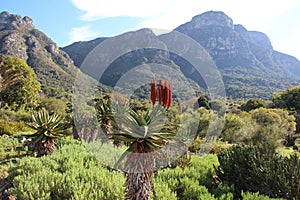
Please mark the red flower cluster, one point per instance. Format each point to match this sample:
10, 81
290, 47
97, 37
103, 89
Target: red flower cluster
163, 93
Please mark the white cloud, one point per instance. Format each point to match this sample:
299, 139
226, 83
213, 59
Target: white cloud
81, 33
168, 14
254, 15
97, 9
290, 43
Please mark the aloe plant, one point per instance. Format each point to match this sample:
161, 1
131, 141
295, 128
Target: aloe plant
104, 115
146, 132
48, 129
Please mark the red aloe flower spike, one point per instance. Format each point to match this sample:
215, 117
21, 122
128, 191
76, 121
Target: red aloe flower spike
153, 91
160, 91
170, 96
166, 94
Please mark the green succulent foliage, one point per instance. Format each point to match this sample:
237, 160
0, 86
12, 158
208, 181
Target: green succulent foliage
46, 126
103, 108
147, 127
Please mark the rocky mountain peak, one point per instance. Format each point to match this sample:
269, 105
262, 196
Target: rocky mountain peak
240, 29
260, 38
19, 38
209, 18
13, 22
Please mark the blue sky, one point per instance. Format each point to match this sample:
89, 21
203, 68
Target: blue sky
67, 21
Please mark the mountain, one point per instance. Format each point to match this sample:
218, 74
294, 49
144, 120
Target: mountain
79, 50
245, 58
249, 65
19, 38
233, 45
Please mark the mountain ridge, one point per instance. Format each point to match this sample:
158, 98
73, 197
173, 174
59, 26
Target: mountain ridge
249, 65
245, 58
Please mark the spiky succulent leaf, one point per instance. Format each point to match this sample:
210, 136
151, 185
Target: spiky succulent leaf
46, 126
145, 127
123, 156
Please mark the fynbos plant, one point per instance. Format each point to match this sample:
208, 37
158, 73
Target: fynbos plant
48, 129
146, 133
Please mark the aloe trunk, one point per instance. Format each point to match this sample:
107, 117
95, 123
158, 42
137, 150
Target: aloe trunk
140, 166
46, 147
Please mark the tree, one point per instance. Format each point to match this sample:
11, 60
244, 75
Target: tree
289, 99
23, 90
8, 76
54, 105
252, 104
272, 125
233, 124
258, 126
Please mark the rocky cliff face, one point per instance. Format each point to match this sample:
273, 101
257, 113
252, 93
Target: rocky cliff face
215, 32
19, 38
246, 59
233, 45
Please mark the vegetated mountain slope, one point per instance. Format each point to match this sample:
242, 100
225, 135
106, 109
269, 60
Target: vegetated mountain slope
246, 59
79, 50
135, 69
19, 38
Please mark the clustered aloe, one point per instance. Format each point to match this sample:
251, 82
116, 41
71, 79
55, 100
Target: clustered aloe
163, 93
145, 133
48, 129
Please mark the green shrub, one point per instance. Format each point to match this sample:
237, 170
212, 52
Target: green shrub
73, 173
192, 190
252, 104
100, 151
54, 105
189, 182
255, 196
69, 173
223, 191
10, 128
10, 115
260, 169
161, 191
9, 149
196, 145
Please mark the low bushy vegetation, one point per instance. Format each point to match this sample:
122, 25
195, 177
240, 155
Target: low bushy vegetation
260, 169
10, 127
71, 172
242, 164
